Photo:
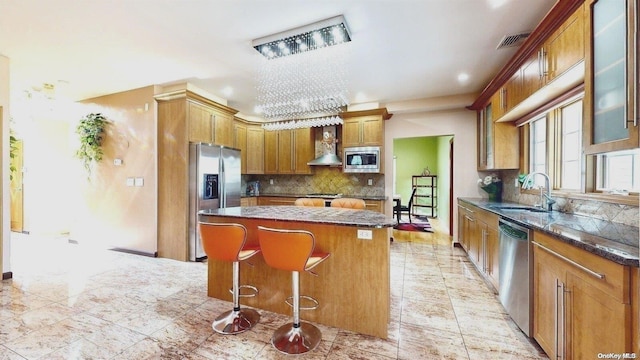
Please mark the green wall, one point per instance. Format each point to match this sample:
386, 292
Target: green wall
413, 155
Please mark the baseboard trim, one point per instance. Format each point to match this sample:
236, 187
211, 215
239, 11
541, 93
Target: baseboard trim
8, 275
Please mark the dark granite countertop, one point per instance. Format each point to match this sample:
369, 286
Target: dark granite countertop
321, 215
613, 241
363, 197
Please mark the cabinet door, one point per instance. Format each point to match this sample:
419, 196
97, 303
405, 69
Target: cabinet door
285, 155
374, 205
492, 255
372, 133
303, 150
611, 113
565, 47
240, 143
462, 234
547, 283
223, 130
594, 320
485, 137
255, 150
513, 92
270, 152
200, 123
532, 74
351, 135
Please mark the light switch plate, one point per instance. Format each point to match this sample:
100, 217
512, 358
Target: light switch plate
130, 181
139, 181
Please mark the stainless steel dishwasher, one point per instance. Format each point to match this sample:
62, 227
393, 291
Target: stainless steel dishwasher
516, 274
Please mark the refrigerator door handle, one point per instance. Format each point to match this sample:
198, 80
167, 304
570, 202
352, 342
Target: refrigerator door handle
223, 194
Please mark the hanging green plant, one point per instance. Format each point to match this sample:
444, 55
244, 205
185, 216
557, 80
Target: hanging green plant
91, 132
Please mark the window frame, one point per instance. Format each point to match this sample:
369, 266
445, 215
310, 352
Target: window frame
588, 190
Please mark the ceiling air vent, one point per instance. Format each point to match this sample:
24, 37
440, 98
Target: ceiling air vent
513, 40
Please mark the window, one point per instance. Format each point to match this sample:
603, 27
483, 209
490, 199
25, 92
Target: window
571, 146
555, 146
538, 148
619, 172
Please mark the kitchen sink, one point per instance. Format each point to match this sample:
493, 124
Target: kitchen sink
518, 208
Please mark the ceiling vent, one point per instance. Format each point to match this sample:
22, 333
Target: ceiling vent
512, 40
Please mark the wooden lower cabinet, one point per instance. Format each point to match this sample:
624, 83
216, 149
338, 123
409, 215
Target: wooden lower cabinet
581, 302
249, 201
275, 200
374, 205
478, 235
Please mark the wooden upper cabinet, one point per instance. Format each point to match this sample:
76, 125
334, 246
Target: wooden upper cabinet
200, 122
611, 86
288, 151
270, 152
532, 74
364, 128
223, 129
240, 143
249, 139
303, 150
285, 152
365, 131
255, 150
498, 142
565, 47
555, 66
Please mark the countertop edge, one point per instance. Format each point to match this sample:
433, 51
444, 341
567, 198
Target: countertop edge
343, 221
622, 259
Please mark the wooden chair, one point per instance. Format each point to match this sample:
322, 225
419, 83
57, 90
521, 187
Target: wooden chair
314, 202
399, 209
348, 203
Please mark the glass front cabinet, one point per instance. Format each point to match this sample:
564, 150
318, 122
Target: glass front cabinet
611, 79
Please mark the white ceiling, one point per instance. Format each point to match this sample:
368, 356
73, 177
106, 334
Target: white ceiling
401, 49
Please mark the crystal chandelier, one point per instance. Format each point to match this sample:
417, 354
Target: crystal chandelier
304, 71
303, 123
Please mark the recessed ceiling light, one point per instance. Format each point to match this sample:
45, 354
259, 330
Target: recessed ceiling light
463, 77
227, 91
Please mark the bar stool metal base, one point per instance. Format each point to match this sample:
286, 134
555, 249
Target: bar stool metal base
291, 340
235, 322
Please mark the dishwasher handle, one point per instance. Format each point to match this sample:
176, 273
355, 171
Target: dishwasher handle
512, 232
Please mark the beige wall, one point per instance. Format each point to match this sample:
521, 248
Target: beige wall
459, 123
5, 217
110, 213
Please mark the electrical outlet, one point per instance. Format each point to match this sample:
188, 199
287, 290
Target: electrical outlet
515, 183
270, 181
369, 182
365, 234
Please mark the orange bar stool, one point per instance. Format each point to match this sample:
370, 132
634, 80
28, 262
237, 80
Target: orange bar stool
293, 250
315, 202
348, 203
227, 242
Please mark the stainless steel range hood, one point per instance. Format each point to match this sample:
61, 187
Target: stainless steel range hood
326, 149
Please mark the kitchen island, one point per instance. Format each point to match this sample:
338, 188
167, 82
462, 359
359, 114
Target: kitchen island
352, 286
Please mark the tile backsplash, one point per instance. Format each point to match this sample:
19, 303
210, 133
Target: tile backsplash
624, 214
327, 180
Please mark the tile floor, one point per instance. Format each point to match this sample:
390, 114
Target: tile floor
72, 302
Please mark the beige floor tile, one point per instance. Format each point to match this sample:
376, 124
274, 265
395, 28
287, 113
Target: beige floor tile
123, 306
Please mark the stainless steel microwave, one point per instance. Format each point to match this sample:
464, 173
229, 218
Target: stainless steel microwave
362, 159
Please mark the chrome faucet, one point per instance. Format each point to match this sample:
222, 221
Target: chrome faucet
545, 198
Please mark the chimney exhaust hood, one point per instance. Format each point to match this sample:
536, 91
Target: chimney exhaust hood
326, 149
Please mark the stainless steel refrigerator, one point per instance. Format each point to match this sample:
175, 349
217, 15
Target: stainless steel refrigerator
214, 182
